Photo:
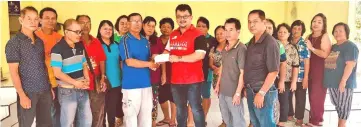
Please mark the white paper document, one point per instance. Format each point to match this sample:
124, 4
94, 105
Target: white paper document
161, 58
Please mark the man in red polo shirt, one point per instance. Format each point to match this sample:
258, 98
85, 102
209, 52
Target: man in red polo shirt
97, 57
187, 48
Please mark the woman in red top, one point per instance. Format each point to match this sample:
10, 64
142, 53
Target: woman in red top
320, 46
166, 26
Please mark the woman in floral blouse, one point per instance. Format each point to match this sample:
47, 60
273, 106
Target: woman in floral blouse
215, 56
292, 64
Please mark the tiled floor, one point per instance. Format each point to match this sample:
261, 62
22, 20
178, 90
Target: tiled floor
214, 116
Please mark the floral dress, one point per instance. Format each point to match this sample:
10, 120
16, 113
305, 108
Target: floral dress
217, 61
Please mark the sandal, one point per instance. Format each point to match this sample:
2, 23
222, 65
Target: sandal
290, 118
312, 125
118, 122
299, 123
172, 125
161, 123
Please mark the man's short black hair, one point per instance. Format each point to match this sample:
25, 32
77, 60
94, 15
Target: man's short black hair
48, 9
184, 7
236, 22
134, 14
79, 16
260, 13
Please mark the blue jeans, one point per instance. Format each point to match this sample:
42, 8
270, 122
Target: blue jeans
233, 115
262, 117
192, 93
55, 109
74, 102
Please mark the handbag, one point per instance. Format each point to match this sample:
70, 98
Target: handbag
97, 85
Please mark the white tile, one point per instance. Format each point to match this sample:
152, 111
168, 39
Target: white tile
7, 96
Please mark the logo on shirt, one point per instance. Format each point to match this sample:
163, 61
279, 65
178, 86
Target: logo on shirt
179, 45
175, 37
331, 60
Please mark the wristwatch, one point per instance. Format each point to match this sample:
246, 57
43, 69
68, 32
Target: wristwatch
262, 92
238, 94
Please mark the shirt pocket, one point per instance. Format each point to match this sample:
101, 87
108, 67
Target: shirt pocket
65, 92
257, 58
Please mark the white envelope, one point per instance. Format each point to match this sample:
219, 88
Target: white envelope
161, 58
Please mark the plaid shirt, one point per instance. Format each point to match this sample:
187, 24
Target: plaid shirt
304, 53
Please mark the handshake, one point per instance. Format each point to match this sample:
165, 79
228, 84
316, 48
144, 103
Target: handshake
162, 58
158, 59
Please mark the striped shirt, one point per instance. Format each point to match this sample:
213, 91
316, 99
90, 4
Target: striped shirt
70, 60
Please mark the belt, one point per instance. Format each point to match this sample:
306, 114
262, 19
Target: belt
255, 85
66, 86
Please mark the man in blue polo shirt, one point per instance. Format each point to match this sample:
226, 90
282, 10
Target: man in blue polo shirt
137, 91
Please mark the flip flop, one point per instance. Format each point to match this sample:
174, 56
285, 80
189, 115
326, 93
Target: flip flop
161, 123
299, 124
312, 125
172, 125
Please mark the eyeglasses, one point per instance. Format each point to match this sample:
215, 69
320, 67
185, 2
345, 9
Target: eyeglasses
85, 23
78, 32
183, 17
136, 21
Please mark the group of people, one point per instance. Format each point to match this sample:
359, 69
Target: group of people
78, 79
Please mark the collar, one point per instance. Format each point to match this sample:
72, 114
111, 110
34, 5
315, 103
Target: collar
190, 28
300, 40
102, 42
63, 41
208, 35
116, 34
260, 40
23, 36
282, 43
90, 37
234, 46
131, 36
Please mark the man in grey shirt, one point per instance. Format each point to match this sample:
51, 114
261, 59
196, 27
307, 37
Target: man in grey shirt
261, 68
230, 80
